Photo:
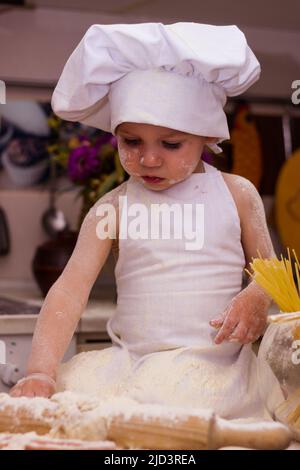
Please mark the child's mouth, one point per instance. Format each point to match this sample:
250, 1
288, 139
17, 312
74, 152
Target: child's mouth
152, 179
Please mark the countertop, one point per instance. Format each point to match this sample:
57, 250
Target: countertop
99, 309
94, 318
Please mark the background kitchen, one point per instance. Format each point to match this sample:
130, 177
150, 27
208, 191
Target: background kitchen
52, 171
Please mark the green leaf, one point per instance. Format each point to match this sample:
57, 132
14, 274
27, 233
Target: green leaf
119, 168
107, 184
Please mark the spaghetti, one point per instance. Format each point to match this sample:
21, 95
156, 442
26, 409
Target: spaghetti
276, 278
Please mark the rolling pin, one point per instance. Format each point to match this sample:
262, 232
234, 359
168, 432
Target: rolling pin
207, 431
144, 426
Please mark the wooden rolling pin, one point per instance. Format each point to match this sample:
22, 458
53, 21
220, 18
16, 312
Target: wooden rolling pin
144, 426
195, 432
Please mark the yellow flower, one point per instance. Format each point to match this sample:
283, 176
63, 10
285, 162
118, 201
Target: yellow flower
52, 148
54, 122
73, 142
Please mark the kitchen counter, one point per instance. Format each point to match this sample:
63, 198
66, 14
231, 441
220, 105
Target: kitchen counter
16, 330
94, 317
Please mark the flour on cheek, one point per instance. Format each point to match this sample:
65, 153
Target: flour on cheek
128, 158
185, 169
186, 162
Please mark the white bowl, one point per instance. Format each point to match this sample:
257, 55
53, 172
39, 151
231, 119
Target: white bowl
25, 176
5, 138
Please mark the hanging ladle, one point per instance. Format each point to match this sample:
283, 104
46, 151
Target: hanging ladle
53, 220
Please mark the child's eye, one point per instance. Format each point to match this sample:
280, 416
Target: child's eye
172, 145
131, 142
168, 145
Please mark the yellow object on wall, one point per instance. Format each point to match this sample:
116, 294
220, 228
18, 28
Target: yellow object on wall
287, 202
247, 153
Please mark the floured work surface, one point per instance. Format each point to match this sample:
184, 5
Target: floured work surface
32, 441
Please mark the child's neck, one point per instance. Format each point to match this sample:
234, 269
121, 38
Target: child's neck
199, 168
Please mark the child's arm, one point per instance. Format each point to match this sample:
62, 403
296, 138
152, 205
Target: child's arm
244, 319
65, 303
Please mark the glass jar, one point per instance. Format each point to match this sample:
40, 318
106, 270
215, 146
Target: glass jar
279, 369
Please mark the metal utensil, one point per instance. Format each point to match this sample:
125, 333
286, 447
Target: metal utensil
53, 220
4, 234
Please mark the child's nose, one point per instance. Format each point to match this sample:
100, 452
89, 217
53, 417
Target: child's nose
150, 159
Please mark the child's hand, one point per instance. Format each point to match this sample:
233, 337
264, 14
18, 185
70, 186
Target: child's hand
34, 385
245, 318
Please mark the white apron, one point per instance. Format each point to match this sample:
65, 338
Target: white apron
163, 346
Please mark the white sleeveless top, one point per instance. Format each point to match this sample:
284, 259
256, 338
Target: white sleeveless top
167, 295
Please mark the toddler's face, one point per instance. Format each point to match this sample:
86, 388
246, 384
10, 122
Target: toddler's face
153, 151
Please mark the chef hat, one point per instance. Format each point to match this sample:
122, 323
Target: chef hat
176, 76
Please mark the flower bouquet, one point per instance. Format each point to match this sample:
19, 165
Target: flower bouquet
89, 157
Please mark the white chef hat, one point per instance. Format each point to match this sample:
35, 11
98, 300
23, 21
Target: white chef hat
176, 76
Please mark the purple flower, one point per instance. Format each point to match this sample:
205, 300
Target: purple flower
107, 139
83, 139
114, 142
83, 163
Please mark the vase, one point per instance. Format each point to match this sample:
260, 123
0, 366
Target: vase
51, 257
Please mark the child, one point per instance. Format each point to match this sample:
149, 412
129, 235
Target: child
183, 328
